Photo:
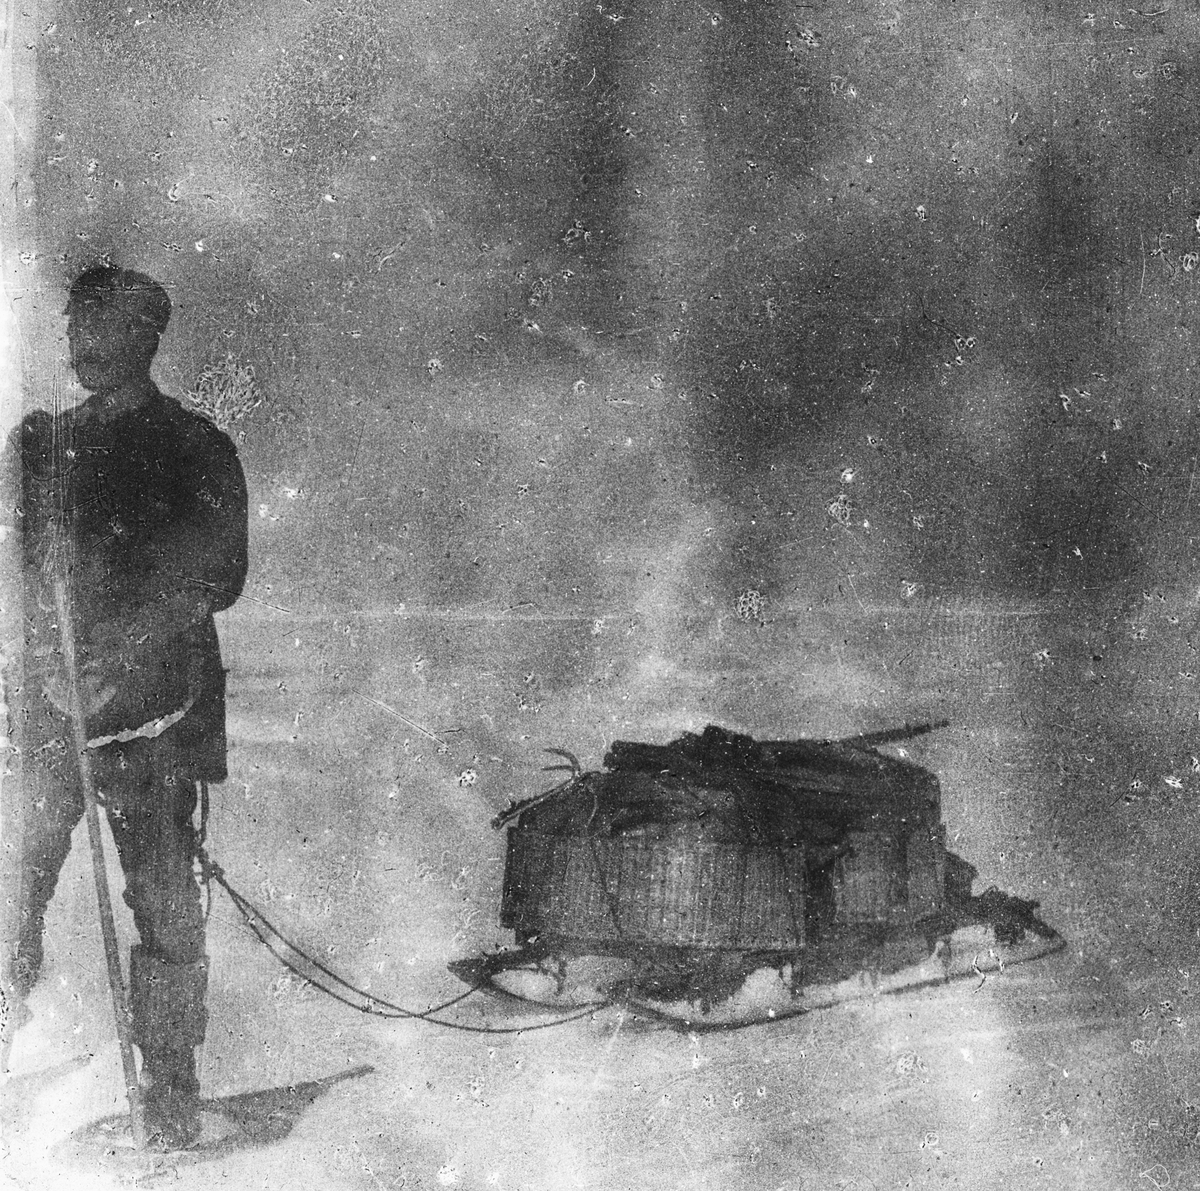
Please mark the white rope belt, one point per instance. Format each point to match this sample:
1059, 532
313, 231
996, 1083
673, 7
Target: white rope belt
149, 730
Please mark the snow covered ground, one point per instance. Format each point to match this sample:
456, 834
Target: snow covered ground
362, 839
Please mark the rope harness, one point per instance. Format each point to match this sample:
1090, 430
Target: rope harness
1007, 915
297, 961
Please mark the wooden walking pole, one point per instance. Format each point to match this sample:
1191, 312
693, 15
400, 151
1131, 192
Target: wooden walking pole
116, 979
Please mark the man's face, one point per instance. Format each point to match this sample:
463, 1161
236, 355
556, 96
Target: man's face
108, 347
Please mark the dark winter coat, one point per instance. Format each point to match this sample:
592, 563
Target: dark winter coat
145, 512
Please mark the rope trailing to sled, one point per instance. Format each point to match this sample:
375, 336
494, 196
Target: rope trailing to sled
353, 996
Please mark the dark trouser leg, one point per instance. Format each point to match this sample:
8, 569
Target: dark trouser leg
39, 816
150, 808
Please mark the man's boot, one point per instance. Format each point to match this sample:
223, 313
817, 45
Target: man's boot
14, 1013
169, 1019
170, 1096
18, 978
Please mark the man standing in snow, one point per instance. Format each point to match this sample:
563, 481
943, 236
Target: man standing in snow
138, 506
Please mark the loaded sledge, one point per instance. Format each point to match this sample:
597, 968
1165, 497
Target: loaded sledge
719, 880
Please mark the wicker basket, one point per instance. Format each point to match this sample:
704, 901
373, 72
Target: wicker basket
677, 892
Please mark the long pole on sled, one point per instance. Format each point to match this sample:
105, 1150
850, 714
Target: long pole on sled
116, 979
